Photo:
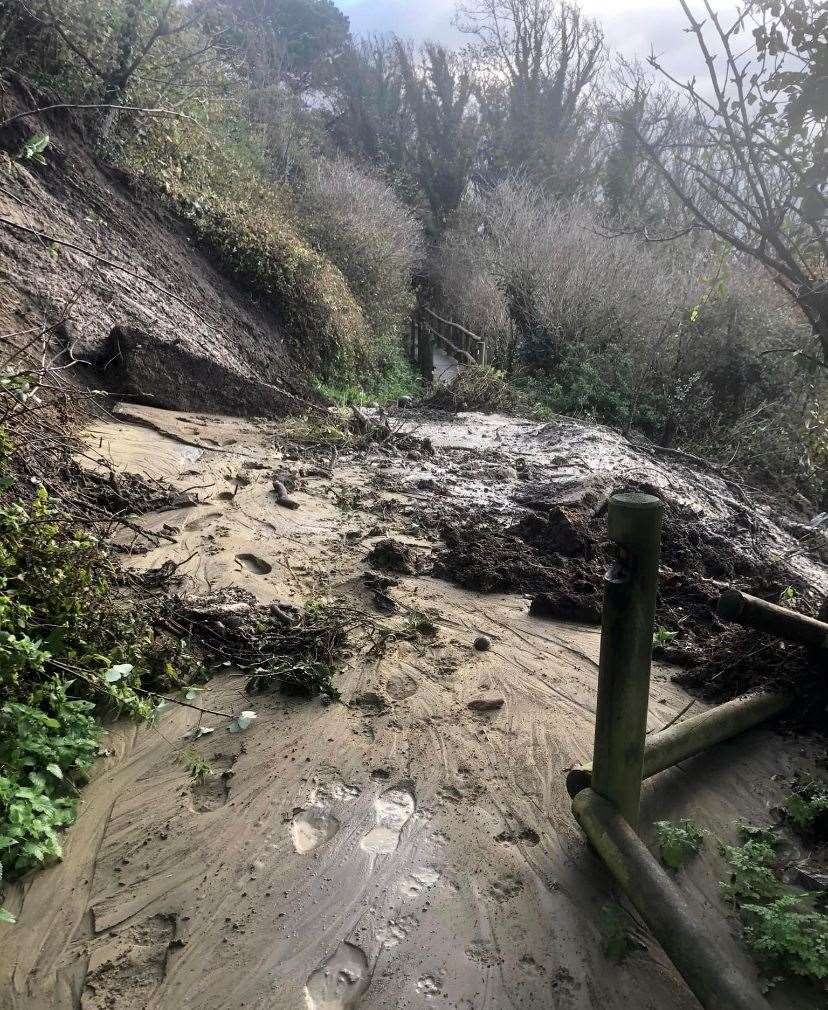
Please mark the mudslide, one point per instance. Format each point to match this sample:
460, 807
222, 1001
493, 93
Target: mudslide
410, 846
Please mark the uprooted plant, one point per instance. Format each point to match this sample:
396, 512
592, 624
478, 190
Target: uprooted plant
299, 649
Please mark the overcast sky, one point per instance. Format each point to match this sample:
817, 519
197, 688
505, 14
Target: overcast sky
631, 26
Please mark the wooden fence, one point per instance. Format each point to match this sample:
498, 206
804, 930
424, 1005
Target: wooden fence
428, 330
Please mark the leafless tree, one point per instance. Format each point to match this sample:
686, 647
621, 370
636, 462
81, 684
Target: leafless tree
549, 54
755, 172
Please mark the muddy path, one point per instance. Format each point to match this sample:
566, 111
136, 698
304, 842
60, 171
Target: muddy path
411, 845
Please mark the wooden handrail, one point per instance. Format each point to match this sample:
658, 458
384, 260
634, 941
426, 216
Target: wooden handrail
458, 352
453, 325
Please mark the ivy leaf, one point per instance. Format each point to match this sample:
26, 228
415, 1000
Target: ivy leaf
54, 769
116, 673
6, 916
243, 721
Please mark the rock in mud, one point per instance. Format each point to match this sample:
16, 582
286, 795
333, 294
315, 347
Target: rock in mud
482, 644
486, 704
282, 496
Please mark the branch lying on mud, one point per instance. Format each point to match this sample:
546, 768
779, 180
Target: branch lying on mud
76, 671
117, 108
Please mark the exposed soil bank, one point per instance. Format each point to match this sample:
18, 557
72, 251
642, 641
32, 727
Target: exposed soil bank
412, 845
147, 276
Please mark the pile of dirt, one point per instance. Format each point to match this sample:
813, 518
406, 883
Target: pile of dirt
560, 557
738, 660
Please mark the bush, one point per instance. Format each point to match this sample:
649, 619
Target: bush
783, 931
680, 341
73, 647
254, 230
481, 388
357, 221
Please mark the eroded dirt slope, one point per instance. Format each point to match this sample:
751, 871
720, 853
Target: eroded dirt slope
412, 845
149, 277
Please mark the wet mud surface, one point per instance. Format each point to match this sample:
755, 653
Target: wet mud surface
411, 844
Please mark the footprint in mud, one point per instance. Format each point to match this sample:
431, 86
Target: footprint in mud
396, 931
401, 686
201, 522
311, 828
419, 880
339, 983
428, 986
393, 810
253, 563
212, 791
128, 967
507, 887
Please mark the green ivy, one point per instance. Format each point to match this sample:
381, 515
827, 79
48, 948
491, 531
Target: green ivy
73, 648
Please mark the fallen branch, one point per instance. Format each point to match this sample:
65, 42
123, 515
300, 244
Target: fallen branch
121, 108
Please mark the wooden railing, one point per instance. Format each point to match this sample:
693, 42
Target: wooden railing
429, 330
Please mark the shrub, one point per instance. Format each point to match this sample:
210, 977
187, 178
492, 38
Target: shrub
781, 928
482, 388
681, 341
65, 626
357, 221
807, 807
252, 227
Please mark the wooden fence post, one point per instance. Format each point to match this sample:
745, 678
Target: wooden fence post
634, 523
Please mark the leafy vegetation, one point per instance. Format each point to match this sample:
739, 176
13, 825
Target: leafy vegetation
72, 648
807, 807
619, 940
678, 841
195, 764
784, 931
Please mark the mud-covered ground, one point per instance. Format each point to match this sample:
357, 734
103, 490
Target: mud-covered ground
411, 844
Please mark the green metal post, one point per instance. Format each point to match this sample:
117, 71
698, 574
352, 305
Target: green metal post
634, 523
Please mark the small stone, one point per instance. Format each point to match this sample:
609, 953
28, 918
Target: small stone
482, 644
486, 704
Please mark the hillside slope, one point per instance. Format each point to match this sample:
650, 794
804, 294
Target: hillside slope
147, 276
